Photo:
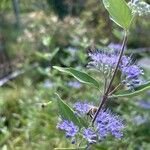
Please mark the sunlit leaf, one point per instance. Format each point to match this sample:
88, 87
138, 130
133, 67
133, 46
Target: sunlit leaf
81, 76
67, 113
119, 12
139, 90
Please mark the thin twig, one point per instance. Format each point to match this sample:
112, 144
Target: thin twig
116, 88
105, 84
105, 97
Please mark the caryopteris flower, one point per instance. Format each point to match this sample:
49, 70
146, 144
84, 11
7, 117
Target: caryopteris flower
69, 127
102, 61
89, 135
107, 123
130, 72
115, 46
125, 61
105, 62
82, 107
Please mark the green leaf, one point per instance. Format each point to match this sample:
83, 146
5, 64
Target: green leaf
81, 76
139, 90
119, 12
67, 113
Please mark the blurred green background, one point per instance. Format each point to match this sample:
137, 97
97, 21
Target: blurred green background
36, 35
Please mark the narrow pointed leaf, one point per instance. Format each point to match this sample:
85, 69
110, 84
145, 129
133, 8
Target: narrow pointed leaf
139, 90
68, 113
61, 69
119, 12
80, 76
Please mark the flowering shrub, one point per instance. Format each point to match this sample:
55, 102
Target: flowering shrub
106, 124
85, 123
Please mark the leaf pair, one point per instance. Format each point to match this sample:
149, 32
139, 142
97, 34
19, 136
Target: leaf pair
137, 91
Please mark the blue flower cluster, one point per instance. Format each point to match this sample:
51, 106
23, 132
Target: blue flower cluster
89, 135
131, 72
115, 46
69, 127
102, 61
105, 62
82, 107
106, 124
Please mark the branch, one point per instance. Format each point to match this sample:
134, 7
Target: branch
105, 97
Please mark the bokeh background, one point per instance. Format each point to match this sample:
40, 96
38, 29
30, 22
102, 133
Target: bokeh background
38, 34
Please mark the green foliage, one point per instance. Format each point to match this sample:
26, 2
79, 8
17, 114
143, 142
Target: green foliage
119, 12
81, 76
137, 91
67, 113
24, 123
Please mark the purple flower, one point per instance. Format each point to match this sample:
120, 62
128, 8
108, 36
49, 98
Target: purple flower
125, 61
132, 71
129, 69
82, 108
74, 84
105, 62
89, 135
115, 46
69, 127
102, 61
144, 104
107, 123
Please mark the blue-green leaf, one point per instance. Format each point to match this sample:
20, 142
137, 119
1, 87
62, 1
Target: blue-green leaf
80, 76
67, 113
119, 12
139, 90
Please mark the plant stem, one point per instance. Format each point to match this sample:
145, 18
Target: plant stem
116, 88
105, 96
105, 84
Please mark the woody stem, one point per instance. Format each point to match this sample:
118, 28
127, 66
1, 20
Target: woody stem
105, 96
